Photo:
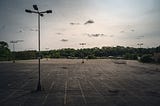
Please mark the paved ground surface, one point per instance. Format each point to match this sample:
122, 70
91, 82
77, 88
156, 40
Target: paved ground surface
71, 83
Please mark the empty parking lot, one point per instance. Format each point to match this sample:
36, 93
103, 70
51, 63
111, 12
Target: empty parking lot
68, 82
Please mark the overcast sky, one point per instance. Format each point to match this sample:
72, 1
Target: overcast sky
96, 22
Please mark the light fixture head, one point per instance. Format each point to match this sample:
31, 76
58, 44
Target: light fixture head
35, 7
49, 11
28, 11
41, 14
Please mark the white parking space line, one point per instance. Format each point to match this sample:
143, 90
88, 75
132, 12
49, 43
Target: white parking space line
65, 93
94, 87
45, 99
13, 93
122, 87
82, 92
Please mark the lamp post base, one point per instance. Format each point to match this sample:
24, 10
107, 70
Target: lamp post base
39, 87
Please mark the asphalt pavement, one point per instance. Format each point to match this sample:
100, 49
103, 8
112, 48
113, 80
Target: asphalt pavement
68, 82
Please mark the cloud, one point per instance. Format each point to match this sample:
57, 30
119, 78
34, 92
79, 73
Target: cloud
20, 31
132, 30
111, 36
89, 22
64, 40
72, 23
2, 27
128, 29
122, 31
96, 35
33, 29
58, 33
140, 37
26, 28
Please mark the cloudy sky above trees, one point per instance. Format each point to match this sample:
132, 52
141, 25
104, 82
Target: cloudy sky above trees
96, 22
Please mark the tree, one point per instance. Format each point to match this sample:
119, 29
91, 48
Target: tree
146, 58
24, 55
5, 53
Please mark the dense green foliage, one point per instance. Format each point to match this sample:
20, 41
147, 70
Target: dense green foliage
5, 53
104, 52
147, 58
93, 53
131, 53
24, 55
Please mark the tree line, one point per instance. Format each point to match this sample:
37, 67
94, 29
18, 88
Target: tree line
5, 53
89, 53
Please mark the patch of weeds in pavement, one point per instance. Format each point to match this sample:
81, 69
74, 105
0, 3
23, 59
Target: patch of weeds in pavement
31, 78
113, 92
64, 67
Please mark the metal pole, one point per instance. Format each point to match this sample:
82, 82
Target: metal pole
82, 54
13, 52
39, 77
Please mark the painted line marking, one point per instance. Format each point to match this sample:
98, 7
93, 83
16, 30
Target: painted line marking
82, 92
122, 87
65, 93
13, 93
45, 99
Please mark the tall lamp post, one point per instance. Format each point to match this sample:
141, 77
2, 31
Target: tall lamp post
40, 14
14, 42
82, 44
140, 44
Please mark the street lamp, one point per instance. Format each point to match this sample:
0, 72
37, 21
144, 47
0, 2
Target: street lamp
14, 42
140, 44
82, 49
40, 14
140, 49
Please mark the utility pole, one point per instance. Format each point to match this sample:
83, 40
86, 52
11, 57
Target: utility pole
14, 42
82, 44
140, 49
140, 44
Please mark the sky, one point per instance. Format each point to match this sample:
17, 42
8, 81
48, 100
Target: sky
94, 22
